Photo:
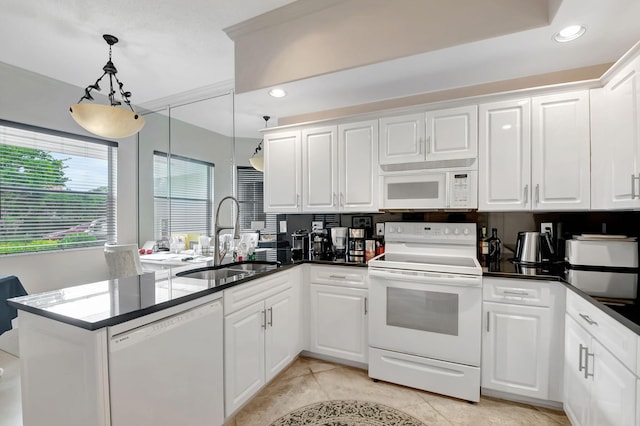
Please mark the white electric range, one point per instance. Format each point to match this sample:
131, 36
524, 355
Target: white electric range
425, 295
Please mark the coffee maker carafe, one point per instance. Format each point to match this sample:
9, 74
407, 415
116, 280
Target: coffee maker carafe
356, 245
300, 245
339, 242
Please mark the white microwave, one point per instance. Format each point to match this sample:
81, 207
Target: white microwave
432, 190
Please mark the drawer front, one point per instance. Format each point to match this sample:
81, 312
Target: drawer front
615, 337
517, 291
349, 276
246, 294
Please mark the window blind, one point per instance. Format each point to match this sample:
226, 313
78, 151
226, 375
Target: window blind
250, 197
57, 190
183, 195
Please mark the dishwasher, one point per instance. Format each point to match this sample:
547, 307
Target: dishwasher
169, 371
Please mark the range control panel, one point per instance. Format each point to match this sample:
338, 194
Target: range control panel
430, 232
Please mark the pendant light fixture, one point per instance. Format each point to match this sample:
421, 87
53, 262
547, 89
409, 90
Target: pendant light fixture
109, 121
258, 162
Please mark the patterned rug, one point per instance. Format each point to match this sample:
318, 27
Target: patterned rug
347, 413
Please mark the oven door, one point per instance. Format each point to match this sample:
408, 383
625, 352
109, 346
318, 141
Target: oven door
426, 314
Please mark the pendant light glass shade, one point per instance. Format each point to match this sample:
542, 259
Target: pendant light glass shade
108, 121
257, 163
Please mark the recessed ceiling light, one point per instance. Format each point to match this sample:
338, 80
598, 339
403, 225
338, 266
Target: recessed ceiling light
569, 33
277, 93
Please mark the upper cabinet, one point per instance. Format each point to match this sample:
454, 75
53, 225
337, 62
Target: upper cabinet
615, 140
504, 157
322, 169
282, 172
339, 168
560, 152
534, 154
402, 139
452, 133
445, 134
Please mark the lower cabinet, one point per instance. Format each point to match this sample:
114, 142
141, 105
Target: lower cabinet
338, 314
521, 343
339, 322
599, 389
260, 335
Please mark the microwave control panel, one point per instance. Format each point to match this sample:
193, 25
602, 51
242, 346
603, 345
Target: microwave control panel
460, 189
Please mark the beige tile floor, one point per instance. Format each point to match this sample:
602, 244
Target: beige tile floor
309, 380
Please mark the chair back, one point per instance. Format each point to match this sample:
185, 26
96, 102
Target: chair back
123, 260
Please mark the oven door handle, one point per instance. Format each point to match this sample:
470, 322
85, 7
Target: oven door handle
457, 280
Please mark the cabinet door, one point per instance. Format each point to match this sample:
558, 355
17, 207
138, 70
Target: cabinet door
282, 171
339, 322
613, 397
279, 333
516, 349
504, 156
560, 155
402, 139
320, 169
576, 385
358, 155
244, 372
452, 133
615, 138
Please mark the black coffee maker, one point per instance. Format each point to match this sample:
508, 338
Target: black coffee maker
320, 245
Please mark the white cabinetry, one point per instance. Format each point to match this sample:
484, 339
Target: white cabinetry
282, 172
445, 134
534, 153
615, 140
600, 361
339, 165
522, 343
402, 139
452, 133
338, 320
261, 334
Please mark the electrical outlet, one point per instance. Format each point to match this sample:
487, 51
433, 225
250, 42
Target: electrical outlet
547, 227
317, 225
380, 229
283, 226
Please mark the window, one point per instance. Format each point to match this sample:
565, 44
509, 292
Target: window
57, 190
250, 197
183, 195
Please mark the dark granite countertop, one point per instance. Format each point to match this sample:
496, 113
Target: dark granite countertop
111, 302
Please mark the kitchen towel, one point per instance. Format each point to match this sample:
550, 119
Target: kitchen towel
10, 286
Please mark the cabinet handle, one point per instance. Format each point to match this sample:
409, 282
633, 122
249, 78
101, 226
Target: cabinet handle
580, 365
526, 194
297, 200
420, 149
586, 363
271, 316
366, 307
428, 144
338, 277
264, 319
341, 199
633, 187
335, 203
588, 319
537, 194
488, 319
516, 292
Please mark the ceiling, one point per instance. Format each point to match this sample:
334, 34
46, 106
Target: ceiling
168, 51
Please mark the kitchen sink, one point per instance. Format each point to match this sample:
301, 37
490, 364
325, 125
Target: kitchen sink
223, 272
210, 274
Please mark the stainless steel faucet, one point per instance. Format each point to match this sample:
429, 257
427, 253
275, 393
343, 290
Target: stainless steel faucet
218, 256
